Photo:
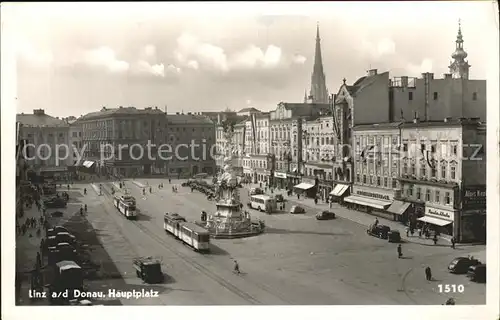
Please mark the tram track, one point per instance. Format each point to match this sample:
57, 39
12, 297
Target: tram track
194, 264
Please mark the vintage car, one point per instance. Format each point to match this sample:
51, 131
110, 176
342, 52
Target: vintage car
460, 265
325, 215
297, 209
279, 198
255, 191
55, 203
55, 230
380, 231
394, 236
477, 273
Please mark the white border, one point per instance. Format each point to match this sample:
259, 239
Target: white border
8, 108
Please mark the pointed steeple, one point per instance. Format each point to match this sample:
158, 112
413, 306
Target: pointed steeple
319, 92
459, 67
305, 96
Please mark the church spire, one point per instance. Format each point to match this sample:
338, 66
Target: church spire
319, 92
459, 67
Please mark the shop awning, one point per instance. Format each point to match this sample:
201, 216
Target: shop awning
369, 202
88, 164
435, 221
339, 190
398, 207
304, 186
54, 169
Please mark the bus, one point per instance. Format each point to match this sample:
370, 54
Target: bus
126, 205
195, 236
172, 224
263, 203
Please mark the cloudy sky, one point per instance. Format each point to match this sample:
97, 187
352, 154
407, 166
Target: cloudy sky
75, 58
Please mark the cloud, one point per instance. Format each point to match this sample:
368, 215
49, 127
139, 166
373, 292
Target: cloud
149, 52
26, 51
105, 57
196, 54
415, 69
299, 59
386, 47
157, 70
377, 50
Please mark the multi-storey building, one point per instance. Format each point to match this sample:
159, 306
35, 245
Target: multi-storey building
223, 147
286, 129
191, 138
376, 162
116, 140
318, 153
48, 137
444, 175
257, 147
455, 95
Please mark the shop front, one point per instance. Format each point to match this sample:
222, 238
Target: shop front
280, 180
305, 189
400, 210
473, 217
370, 200
339, 192
441, 220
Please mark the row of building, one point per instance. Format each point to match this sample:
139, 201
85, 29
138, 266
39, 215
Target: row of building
408, 148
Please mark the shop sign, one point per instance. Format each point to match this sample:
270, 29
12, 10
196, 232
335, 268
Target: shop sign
280, 175
474, 197
440, 213
375, 195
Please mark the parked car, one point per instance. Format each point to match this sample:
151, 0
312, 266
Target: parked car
380, 231
325, 215
297, 209
279, 198
477, 273
55, 230
394, 236
65, 237
55, 203
255, 191
461, 265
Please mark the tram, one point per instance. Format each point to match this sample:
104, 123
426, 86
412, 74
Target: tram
171, 224
189, 233
195, 236
126, 205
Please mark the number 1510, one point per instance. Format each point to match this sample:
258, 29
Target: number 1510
451, 288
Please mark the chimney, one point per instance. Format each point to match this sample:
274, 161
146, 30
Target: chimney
121, 107
447, 75
189, 113
39, 112
177, 113
428, 74
372, 72
475, 119
447, 119
156, 108
404, 81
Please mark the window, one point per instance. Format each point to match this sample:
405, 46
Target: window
437, 196
443, 171
410, 191
454, 150
419, 190
378, 181
447, 199
371, 179
433, 172
413, 169
435, 95
453, 172
410, 95
423, 172
433, 148
364, 178
474, 96
405, 147
428, 195
394, 183
74, 134
422, 146
358, 178
405, 168
386, 182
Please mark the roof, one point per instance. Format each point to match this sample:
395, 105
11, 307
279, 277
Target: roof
39, 120
251, 109
365, 81
66, 265
178, 119
121, 111
194, 227
420, 124
375, 126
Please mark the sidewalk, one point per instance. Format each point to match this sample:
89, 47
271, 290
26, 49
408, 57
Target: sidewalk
362, 218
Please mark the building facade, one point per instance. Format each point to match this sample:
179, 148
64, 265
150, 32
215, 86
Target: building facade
192, 139
117, 140
48, 137
444, 171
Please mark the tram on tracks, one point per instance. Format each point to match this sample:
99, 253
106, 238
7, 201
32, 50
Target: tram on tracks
126, 204
189, 233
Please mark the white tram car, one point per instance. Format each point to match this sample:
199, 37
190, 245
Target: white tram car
126, 205
189, 233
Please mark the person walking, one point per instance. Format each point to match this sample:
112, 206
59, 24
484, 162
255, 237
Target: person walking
453, 241
428, 273
400, 251
435, 239
236, 267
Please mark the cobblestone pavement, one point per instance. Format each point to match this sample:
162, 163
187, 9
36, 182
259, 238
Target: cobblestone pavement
300, 260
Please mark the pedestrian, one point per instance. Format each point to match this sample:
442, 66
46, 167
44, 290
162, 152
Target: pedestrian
236, 267
407, 231
298, 196
400, 251
315, 200
428, 273
376, 222
453, 240
435, 239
